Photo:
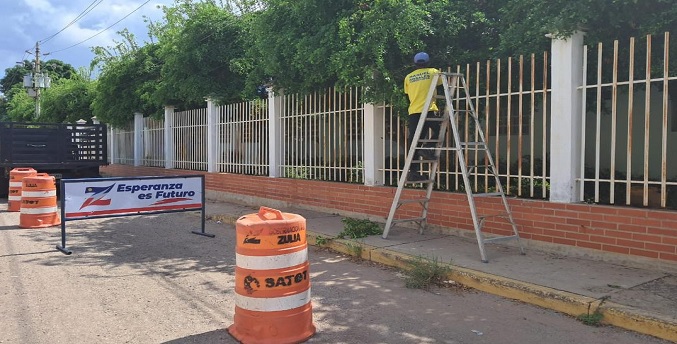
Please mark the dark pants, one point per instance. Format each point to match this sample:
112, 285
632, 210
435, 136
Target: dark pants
428, 126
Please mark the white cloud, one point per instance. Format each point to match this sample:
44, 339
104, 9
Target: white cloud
27, 21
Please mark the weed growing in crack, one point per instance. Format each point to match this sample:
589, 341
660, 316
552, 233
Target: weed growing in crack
595, 317
425, 273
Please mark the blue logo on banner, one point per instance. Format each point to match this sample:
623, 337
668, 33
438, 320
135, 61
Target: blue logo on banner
97, 197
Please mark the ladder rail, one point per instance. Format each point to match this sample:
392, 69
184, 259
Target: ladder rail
466, 181
490, 159
454, 84
410, 156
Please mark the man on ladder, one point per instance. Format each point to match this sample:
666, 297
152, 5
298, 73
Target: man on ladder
420, 85
416, 86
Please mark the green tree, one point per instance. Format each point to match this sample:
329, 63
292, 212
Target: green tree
57, 69
526, 22
3, 108
126, 85
14, 75
198, 57
304, 45
20, 107
68, 100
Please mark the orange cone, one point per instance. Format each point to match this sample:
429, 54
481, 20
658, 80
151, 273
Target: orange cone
38, 202
272, 279
16, 175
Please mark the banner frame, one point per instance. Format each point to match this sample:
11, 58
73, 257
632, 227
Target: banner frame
64, 219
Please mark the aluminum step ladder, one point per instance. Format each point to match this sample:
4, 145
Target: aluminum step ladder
453, 84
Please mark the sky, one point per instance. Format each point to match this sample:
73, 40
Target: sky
25, 22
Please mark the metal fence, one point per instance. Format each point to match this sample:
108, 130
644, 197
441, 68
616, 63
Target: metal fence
511, 100
323, 136
242, 144
123, 149
153, 142
629, 122
190, 139
627, 111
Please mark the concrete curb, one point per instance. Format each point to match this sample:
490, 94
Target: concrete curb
565, 302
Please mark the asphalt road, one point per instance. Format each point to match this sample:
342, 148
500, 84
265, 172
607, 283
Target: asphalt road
147, 279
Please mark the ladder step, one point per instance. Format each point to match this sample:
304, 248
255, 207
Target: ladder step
488, 194
469, 144
418, 200
414, 219
484, 217
501, 238
429, 141
425, 181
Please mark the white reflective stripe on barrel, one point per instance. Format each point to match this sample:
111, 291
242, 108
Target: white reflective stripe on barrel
50, 193
271, 262
36, 211
15, 184
13, 198
273, 304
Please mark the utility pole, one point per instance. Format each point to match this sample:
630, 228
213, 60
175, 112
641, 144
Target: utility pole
35, 82
38, 78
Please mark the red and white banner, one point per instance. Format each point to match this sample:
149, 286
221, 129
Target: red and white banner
117, 196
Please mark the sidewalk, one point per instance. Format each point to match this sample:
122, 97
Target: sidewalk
641, 300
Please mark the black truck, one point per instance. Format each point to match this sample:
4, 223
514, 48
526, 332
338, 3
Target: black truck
62, 150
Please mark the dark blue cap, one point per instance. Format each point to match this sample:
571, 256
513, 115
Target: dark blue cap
421, 58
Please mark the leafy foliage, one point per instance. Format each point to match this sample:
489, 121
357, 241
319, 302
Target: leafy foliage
126, 87
197, 59
355, 229
68, 100
20, 107
226, 49
14, 75
526, 22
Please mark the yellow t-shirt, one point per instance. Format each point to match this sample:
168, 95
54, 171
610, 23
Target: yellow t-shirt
417, 85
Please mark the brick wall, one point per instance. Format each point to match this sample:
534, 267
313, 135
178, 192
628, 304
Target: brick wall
631, 231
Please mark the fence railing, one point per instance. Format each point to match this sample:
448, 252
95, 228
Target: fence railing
511, 100
122, 146
190, 139
242, 144
627, 108
628, 123
153, 142
323, 136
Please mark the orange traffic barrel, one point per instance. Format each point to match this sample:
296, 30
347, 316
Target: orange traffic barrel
38, 202
272, 279
16, 175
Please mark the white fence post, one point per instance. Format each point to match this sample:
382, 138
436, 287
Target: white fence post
374, 116
212, 135
169, 137
138, 138
113, 144
566, 117
275, 105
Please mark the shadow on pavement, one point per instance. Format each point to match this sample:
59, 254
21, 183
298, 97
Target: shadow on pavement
217, 336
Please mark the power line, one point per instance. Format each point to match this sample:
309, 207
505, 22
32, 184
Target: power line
100, 32
89, 8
